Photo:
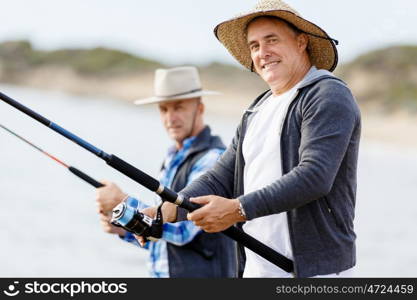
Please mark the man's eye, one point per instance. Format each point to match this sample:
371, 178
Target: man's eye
253, 47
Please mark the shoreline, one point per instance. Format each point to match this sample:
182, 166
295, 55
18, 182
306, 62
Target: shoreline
394, 129
397, 130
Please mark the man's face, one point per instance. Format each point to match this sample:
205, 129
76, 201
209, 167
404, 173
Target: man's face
276, 51
179, 117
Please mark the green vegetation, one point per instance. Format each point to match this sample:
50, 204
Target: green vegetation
385, 77
393, 59
389, 77
20, 55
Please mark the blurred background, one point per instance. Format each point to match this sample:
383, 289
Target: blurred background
82, 63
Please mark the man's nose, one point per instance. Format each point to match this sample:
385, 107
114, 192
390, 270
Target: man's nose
264, 51
171, 116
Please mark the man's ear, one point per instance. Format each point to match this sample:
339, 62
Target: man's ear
201, 107
302, 41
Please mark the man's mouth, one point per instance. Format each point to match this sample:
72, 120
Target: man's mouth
270, 64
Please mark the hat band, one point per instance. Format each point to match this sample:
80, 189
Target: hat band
180, 94
320, 37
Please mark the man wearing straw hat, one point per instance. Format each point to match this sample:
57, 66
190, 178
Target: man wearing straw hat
184, 250
290, 172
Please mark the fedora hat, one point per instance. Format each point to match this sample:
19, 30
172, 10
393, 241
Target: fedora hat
231, 33
174, 84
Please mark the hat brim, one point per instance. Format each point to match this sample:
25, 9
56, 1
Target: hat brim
321, 48
154, 100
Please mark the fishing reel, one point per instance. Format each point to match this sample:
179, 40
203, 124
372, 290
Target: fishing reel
132, 220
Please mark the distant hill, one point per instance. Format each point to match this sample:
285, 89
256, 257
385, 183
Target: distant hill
18, 56
385, 78
107, 72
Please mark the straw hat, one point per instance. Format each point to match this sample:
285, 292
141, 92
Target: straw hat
174, 84
231, 33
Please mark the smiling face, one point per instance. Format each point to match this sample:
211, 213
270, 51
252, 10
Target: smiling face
182, 118
278, 53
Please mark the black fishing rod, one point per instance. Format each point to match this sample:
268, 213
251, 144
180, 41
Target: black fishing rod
72, 169
155, 186
131, 220
138, 223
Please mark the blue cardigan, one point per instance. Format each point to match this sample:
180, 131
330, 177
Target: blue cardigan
319, 153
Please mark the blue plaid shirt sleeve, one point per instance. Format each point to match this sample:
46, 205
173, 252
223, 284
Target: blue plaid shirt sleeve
181, 233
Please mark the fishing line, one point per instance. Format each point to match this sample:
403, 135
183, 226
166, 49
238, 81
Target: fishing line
72, 169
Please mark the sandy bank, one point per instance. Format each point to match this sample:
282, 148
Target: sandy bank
396, 129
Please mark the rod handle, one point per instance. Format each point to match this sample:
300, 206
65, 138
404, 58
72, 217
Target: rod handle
260, 248
171, 196
190, 206
249, 242
85, 177
132, 172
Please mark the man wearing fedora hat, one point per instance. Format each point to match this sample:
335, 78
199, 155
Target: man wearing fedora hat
184, 250
290, 172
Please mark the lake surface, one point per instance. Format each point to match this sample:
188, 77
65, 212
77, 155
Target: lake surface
48, 220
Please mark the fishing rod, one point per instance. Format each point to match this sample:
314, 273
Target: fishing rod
138, 223
72, 169
154, 185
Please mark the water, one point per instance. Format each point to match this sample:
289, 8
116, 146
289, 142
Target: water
48, 220
386, 222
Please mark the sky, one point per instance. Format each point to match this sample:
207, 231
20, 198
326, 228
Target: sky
181, 31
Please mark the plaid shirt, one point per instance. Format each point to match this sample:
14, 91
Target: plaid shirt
179, 233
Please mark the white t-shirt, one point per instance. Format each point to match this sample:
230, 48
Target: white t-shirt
262, 154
